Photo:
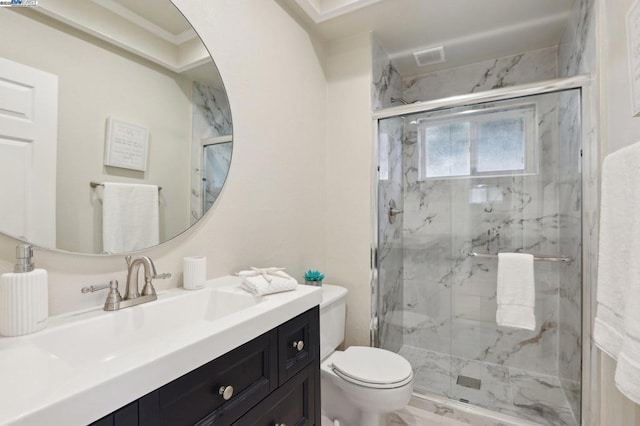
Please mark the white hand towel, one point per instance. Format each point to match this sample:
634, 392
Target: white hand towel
130, 217
617, 324
261, 281
516, 291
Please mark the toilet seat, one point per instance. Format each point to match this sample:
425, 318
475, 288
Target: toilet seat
372, 368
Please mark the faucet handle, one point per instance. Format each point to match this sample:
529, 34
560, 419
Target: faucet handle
92, 288
162, 276
113, 298
148, 286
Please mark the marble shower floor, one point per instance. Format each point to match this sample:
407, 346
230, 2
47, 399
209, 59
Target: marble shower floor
520, 393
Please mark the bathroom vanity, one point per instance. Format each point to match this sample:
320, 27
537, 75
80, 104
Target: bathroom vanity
273, 379
216, 356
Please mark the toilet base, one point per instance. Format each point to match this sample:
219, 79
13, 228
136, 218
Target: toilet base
373, 419
353, 405
335, 404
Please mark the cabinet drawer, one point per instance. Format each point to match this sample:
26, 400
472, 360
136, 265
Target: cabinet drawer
292, 404
297, 344
250, 369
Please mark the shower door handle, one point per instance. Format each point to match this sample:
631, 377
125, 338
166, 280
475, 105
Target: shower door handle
393, 211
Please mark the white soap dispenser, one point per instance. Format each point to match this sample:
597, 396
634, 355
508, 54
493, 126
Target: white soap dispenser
24, 299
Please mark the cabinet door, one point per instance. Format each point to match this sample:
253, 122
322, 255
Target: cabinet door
250, 373
298, 344
293, 404
126, 416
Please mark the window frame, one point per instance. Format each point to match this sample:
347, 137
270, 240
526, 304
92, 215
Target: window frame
527, 111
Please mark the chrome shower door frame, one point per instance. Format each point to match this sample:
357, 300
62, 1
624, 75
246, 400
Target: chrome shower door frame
590, 394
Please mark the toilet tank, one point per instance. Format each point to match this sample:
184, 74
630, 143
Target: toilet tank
332, 318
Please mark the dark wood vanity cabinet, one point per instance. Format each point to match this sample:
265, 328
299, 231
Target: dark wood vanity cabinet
125, 416
274, 379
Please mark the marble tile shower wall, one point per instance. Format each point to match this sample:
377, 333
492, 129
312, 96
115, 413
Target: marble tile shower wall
211, 117
216, 164
386, 84
570, 232
390, 236
528, 67
577, 54
450, 297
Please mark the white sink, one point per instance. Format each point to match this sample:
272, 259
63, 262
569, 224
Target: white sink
92, 363
106, 337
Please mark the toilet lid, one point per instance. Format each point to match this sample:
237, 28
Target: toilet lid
373, 385
373, 366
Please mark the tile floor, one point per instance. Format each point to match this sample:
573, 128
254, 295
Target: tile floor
515, 392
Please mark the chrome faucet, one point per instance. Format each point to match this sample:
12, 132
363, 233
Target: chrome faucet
132, 296
133, 266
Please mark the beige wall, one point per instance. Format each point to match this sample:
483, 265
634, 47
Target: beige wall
618, 129
615, 408
349, 168
97, 81
271, 212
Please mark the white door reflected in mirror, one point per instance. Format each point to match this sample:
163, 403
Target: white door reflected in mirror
28, 127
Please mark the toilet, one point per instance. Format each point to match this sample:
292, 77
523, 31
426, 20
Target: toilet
360, 385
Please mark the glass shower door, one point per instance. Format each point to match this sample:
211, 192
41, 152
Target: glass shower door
216, 160
482, 179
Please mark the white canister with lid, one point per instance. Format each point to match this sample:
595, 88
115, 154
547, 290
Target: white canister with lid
194, 272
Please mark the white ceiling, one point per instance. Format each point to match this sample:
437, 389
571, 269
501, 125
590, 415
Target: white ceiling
469, 30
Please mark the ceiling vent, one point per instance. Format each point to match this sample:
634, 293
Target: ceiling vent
431, 56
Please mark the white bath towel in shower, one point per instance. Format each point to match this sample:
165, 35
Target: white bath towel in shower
130, 217
617, 324
516, 291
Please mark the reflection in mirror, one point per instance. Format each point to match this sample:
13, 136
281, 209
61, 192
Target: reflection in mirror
107, 91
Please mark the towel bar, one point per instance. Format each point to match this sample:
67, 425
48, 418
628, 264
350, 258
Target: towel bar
96, 184
542, 259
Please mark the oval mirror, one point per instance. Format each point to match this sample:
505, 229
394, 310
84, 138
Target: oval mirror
115, 128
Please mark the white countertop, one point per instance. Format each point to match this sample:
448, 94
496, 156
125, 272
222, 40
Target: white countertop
85, 365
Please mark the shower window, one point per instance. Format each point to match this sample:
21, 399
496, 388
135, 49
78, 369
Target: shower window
494, 141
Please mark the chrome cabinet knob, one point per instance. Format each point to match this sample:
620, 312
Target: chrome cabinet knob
226, 392
299, 345
280, 424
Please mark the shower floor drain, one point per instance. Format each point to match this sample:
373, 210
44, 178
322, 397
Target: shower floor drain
468, 382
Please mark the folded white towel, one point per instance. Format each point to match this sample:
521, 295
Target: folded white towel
130, 217
516, 291
261, 281
617, 324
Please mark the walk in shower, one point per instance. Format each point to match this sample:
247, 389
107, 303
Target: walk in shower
460, 181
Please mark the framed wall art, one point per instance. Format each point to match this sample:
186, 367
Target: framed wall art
126, 145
